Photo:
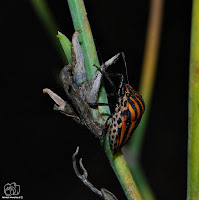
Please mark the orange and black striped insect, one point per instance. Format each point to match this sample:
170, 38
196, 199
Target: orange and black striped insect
128, 113
126, 118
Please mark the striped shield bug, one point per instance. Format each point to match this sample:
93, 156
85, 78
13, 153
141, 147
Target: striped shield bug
129, 109
128, 113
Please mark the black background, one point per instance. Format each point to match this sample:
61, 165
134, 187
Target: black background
37, 142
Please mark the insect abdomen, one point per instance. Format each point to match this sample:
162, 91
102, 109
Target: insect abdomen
131, 110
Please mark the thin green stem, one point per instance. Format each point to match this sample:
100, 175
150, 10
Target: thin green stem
122, 172
43, 12
193, 125
80, 21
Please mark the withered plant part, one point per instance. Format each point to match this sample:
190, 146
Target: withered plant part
103, 193
80, 94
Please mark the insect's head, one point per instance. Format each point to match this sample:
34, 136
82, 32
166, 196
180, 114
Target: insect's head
127, 90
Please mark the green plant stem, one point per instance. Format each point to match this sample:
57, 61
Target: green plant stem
122, 172
80, 21
43, 12
193, 120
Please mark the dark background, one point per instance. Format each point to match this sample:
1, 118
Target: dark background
37, 142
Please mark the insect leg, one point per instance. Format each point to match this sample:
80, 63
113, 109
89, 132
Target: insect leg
123, 56
121, 80
111, 82
121, 83
105, 74
104, 131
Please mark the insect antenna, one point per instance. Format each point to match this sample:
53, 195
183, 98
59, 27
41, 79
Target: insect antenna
105, 74
123, 56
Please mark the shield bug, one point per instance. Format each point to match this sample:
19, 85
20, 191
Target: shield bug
128, 113
129, 109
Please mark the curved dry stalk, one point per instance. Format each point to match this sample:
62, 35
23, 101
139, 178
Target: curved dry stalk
103, 193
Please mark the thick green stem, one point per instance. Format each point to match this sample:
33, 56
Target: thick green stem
80, 21
193, 125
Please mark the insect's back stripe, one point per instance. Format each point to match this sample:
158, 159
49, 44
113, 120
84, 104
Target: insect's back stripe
132, 104
126, 124
126, 136
130, 130
142, 102
138, 96
132, 111
135, 105
130, 89
141, 108
122, 130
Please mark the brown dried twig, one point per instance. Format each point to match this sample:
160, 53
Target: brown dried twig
103, 193
79, 93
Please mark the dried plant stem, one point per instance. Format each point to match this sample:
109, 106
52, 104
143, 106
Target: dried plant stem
193, 125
